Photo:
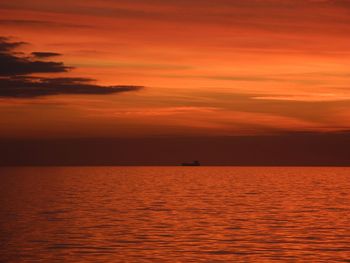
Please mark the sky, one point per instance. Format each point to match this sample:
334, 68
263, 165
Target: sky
150, 68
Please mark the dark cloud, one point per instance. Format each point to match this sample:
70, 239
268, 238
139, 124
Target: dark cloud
14, 65
23, 87
15, 81
45, 54
6, 45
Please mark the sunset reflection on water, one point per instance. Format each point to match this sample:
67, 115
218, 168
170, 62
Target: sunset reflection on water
174, 214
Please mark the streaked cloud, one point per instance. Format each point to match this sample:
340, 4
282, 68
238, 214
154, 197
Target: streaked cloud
40, 23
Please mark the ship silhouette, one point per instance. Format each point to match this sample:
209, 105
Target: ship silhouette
194, 163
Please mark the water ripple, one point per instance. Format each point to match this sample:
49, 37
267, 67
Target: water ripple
175, 214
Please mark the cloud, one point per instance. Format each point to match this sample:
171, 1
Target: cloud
40, 23
163, 112
15, 81
14, 65
23, 87
6, 46
319, 97
45, 54
245, 78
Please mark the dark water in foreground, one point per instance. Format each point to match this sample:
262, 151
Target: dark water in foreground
175, 214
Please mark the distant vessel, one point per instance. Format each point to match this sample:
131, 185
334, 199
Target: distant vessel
195, 163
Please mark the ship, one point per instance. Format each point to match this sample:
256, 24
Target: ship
194, 163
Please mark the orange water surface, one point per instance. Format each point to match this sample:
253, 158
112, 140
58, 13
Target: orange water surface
175, 214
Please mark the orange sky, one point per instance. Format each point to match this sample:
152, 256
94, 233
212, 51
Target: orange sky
219, 67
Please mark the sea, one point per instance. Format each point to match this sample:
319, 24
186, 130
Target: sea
175, 214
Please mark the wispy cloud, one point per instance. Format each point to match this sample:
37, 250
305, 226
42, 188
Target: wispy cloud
40, 23
316, 97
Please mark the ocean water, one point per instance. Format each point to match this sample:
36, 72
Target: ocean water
174, 214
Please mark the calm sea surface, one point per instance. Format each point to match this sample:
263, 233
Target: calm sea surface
174, 214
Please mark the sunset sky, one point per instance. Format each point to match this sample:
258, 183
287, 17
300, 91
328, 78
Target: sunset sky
173, 68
